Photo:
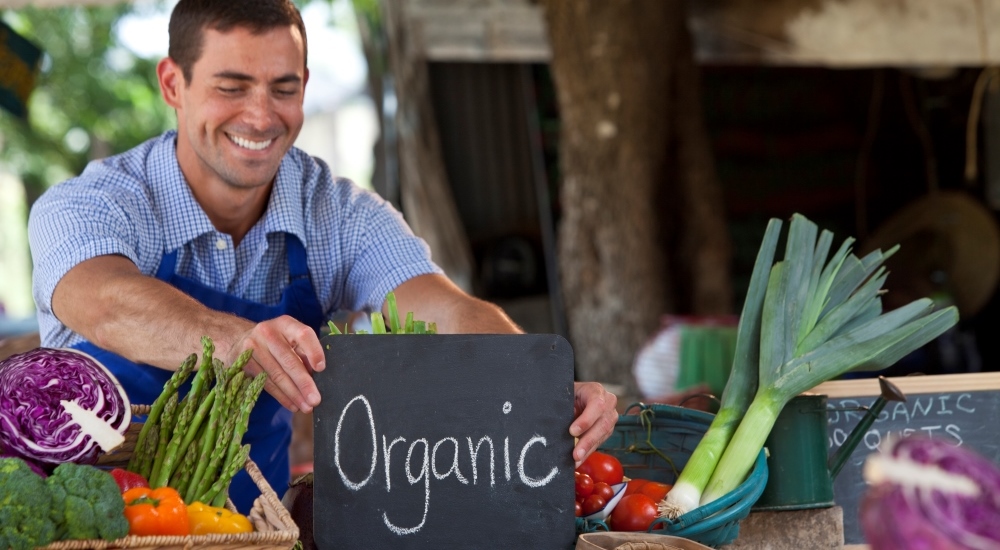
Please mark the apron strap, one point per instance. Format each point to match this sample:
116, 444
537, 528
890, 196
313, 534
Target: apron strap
168, 265
298, 267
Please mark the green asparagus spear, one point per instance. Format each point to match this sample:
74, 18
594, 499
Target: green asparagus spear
163, 468
246, 405
182, 475
204, 477
167, 421
221, 485
156, 409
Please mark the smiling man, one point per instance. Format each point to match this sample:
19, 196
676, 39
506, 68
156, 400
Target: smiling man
223, 228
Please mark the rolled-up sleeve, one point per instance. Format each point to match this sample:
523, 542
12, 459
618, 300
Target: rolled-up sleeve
370, 248
70, 224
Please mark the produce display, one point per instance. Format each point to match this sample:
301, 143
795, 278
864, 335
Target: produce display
807, 318
60, 410
928, 493
204, 520
596, 480
155, 512
78, 501
194, 444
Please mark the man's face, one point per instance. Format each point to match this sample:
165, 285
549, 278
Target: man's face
242, 109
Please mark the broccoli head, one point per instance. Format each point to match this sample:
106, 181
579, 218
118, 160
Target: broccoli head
24, 507
86, 503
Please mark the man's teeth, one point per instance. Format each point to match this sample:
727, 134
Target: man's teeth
252, 145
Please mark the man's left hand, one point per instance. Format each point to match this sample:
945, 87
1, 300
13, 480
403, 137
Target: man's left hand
596, 415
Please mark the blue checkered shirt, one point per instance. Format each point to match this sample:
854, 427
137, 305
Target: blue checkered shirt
138, 205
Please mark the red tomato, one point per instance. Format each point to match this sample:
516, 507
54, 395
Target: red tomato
655, 490
634, 512
602, 467
579, 509
604, 491
635, 486
593, 503
584, 485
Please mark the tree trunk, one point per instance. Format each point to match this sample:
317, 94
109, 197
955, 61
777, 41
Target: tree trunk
639, 193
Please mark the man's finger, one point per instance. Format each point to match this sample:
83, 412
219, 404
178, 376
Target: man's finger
289, 374
260, 363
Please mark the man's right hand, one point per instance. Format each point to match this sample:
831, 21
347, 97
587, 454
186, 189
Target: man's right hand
109, 302
289, 352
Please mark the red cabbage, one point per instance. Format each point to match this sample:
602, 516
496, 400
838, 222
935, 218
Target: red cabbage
929, 494
60, 405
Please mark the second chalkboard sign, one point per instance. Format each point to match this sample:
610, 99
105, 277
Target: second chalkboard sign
444, 441
960, 408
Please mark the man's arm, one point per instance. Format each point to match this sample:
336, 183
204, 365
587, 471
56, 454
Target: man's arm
434, 298
110, 302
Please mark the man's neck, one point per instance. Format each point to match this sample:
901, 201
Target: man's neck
231, 210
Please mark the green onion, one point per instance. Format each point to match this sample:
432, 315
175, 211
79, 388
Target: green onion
378, 323
800, 348
393, 313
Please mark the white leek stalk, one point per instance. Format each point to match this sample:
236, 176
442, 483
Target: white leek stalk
820, 319
739, 391
805, 320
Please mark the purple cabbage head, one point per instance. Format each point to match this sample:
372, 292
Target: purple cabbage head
928, 493
59, 405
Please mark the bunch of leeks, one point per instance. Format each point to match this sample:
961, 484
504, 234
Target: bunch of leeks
807, 319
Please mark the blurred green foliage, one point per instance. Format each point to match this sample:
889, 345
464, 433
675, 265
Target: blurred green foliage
92, 98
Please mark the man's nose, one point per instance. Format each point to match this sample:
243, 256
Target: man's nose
259, 109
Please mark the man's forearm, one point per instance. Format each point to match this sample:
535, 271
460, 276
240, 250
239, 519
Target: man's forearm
109, 302
434, 298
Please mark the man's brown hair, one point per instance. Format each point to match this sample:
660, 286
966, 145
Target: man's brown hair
190, 18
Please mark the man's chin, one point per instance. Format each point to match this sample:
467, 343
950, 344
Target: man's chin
252, 175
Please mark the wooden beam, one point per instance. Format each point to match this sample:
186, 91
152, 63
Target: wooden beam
834, 33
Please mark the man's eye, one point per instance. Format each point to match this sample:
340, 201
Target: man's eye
229, 90
286, 92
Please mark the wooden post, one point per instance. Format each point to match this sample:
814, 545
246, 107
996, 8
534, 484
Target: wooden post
425, 193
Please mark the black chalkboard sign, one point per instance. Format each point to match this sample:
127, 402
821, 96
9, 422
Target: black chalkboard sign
444, 441
961, 408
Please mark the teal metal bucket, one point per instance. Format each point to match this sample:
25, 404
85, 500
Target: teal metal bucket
676, 431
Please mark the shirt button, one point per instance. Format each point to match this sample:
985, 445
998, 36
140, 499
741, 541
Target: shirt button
220, 244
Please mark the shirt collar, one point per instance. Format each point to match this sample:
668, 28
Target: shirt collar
284, 209
183, 218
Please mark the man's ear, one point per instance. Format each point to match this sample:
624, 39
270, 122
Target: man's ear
171, 78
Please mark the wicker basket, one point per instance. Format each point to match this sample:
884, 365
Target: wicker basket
275, 529
675, 432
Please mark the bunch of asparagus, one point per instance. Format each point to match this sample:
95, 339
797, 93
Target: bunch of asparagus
194, 444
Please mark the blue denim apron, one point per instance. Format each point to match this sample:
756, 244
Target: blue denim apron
270, 430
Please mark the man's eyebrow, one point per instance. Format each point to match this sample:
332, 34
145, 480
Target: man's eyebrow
233, 75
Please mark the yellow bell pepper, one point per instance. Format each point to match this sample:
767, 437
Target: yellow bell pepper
205, 519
